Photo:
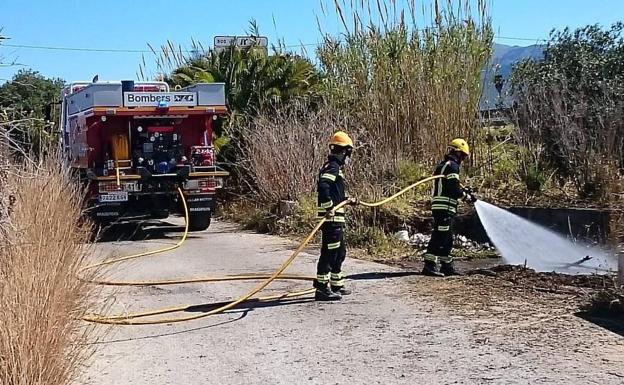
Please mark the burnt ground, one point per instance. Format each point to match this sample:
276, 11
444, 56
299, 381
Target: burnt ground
486, 284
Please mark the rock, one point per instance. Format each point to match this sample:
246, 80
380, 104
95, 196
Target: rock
402, 235
419, 240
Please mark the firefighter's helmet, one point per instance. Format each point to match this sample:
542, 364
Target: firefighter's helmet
460, 145
341, 138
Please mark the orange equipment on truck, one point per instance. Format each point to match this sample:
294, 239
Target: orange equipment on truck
133, 143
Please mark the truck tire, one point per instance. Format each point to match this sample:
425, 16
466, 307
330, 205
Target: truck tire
160, 214
199, 221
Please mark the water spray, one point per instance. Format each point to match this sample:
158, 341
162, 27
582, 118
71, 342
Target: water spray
519, 240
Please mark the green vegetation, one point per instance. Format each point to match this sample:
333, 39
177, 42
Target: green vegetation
254, 79
570, 107
377, 243
27, 111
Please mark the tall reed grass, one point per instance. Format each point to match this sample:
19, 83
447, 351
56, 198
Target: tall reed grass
402, 91
42, 248
410, 79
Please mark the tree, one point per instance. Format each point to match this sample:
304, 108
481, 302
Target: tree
571, 104
253, 78
27, 104
30, 92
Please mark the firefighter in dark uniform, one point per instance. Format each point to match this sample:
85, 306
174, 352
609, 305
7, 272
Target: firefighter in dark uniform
330, 280
446, 193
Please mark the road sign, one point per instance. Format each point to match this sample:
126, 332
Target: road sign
224, 41
240, 41
248, 41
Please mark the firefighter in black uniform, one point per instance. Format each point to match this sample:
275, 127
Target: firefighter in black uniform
446, 193
330, 280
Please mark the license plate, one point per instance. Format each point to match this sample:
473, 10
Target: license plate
119, 196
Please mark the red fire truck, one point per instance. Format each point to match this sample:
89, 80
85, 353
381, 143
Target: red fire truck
135, 143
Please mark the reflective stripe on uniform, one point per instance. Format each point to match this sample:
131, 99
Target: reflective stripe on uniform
341, 174
322, 278
337, 279
322, 213
337, 276
326, 205
440, 199
440, 179
324, 210
339, 218
444, 207
446, 259
328, 176
333, 246
431, 257
444, 228
452, 176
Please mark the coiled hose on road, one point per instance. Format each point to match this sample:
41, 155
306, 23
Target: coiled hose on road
219, 307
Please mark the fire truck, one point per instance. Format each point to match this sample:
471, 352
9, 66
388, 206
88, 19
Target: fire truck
133, 144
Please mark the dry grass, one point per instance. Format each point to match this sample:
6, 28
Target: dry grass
285, 148
586, 153
411, 83
4, 194
42, 340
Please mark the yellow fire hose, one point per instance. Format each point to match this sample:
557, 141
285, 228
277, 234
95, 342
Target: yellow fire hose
145, 254
220, 307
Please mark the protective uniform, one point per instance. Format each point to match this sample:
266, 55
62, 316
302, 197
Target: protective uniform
331, 190
444, 201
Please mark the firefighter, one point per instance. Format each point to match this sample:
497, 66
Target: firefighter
330, 280
446, 193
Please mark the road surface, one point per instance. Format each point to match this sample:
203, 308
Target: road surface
397, 328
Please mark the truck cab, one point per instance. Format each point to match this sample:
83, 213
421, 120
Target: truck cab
133, 144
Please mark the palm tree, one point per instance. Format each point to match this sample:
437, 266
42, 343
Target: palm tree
253, 78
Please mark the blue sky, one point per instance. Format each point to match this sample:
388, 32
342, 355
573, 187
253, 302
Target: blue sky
131, 25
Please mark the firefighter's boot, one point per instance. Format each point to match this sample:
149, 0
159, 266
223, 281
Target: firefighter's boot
431, 269
448, 268
337, 283
324, 293
340, 290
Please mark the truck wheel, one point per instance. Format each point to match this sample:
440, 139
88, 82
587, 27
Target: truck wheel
160, 214
199, 222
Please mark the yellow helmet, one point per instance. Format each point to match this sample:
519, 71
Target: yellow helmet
460, 145
340, 138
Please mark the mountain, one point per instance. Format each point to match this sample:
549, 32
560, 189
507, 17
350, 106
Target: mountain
505, 57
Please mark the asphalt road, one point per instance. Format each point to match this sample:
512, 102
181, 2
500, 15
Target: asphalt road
385, 333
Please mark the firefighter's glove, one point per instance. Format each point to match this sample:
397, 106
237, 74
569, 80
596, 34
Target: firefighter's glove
470, 196
329, 214
353, 201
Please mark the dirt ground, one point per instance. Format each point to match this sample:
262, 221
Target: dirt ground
498, 326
